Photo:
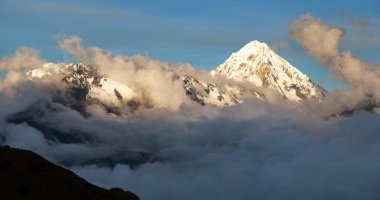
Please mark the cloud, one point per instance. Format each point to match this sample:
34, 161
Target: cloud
362, 23
322, 42
280, 45
233, 159
318, 39
25, 57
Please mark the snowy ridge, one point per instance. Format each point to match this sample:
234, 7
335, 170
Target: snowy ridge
97, 88
84, 76
257, 63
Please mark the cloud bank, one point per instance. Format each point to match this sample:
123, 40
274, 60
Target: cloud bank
177, 149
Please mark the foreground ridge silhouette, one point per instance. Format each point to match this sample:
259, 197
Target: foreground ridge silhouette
26, 175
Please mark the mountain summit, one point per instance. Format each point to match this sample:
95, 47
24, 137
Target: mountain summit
259, 64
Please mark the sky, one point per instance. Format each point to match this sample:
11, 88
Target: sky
202, 33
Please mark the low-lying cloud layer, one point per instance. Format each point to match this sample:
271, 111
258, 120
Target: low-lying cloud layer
178, 149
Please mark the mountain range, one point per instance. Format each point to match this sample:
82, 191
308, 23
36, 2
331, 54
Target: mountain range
248, 72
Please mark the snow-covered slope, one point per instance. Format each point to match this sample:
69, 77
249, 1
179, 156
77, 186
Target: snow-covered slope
259, 64
86, 86
87, 77
208, 93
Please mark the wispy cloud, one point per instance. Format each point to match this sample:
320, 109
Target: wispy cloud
362, 23
280, 45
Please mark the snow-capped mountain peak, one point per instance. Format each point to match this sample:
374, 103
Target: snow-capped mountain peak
253, 47
256, 62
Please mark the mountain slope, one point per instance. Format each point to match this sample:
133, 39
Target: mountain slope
257, 63
26, 175
208, 93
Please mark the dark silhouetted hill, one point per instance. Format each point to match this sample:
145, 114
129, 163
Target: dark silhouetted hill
26, 175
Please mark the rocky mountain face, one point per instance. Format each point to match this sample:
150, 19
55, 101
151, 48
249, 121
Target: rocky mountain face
259, 64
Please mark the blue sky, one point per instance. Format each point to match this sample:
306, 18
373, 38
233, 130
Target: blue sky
203, 33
